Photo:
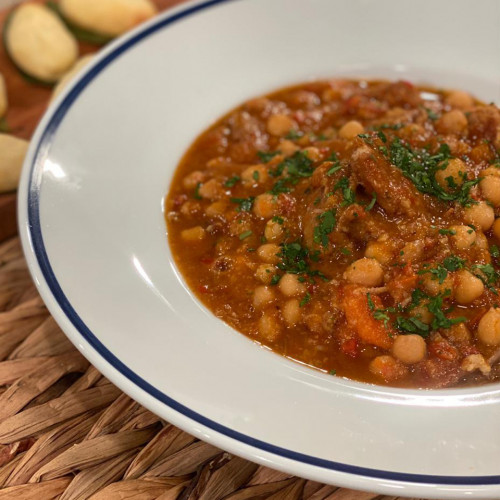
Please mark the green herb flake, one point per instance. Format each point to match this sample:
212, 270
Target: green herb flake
279, 220
326, 225
255, 175
245, 234
294, 259
305, 299
345, 251
435, 306
196, 194
450, 232
420, 167
244, 204
232, 181
494, 251
267, 156
431, 114
275, 279
332, 372
293, 135
372, 202
412, 325
347, 192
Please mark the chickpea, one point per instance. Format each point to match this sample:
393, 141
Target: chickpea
480, 215
210, 190
459, 99
264, 273
290, 285
190, 208
216, 208
313, 153
279, 124
496, 229
262, 296
351, 129
288, 148
488, 329
366, 272
453, 122
268, 253
269, 327
273, 231
380, 251
265, 206
291, 312
387, 368
423, 314
452, 173
490, 187
196, 233
193, 179
409, 348
481, 241
463, 238
256, 174
433, 287
467, 287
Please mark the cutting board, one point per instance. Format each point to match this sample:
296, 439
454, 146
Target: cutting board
27, 103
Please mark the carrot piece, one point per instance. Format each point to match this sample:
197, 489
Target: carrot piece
361, 320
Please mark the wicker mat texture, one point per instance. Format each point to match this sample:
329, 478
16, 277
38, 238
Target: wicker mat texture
67, 433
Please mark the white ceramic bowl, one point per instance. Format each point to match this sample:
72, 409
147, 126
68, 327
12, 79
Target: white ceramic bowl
91, 222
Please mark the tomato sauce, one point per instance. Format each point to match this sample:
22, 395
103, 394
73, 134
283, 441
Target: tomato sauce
351, 226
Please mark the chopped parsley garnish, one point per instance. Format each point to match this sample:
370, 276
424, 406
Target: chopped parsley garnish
432, 115
296, 167
266, 156
326, 224
334, 169
278, 220
305, 299
275, 279
494, 251
245, 234
244, 204
294, 259
421, 166
412, 325
333, 372
372, 202
345, 251
347, 192
451, 232
440, 272
488, 275
336, 163
196, 194
255, 175
379, 314
293, 135
453, 263
231, 181
435, 306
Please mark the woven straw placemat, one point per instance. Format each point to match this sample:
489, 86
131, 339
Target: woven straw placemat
67, 433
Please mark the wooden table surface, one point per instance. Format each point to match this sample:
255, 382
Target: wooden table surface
27, 103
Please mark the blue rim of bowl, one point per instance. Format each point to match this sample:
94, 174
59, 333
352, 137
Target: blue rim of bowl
35, 232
